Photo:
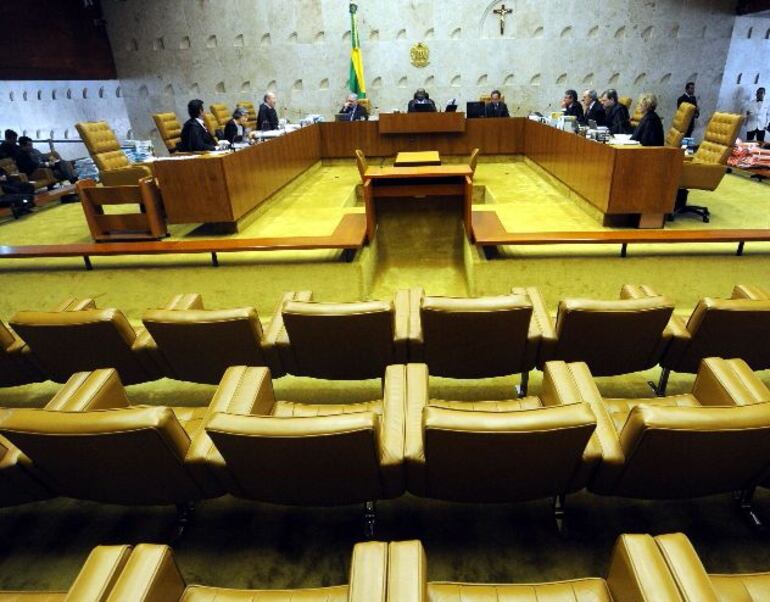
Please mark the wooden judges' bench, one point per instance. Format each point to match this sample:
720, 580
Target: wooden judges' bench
617, 181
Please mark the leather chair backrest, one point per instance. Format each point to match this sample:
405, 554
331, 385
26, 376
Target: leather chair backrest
169, 129
221, 112
612, 337
487, 98
473, 456
325, 460
474, 160
684, 452
729, 328
122, 456
719, 138
340, 340
76, 341
251, 110
102, 145
476, 338
637, 115
679, 124
211, 123
625, 101
361, 163
200, 344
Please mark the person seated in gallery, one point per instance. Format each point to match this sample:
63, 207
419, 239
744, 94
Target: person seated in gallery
195, 136
30, 159
593, 109
618, 120
354, 110
421, 98
649, 132
9, 148
267, 117
571, 106
236, 129
496, 107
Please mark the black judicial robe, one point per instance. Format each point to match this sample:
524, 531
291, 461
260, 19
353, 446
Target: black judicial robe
359, 112
649, 132
195, 137
618, 120
267, 118
499, 110
574, 110
595, 113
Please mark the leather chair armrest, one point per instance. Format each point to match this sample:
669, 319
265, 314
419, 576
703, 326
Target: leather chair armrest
638, 572
185, 301
85, 391
392, 429
275, 342
125, 176
402, 325
407, 572
747, 291
75, 304
414, 449
99, 574
637, 291
686, 567
151, 575
369, 572
542, 330
244, 390
416, 352
722, 382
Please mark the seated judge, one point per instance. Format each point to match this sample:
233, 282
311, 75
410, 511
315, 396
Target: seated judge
618, 120
571, 106
267, 118
496, 107
195, 136
236, 129
593, 109
354, 110
421, 98
649, 132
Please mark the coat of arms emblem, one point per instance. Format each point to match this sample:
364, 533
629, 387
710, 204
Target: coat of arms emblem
420, 55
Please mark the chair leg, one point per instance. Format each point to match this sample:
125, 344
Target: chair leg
559, 502
184, 516
744, 500
660, 388
370, 517
521, 390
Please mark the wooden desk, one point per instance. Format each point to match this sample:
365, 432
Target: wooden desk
418, 159
421, 123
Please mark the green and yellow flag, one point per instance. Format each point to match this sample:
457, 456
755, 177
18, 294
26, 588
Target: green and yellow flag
356, 81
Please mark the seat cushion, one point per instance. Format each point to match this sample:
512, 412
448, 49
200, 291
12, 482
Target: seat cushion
286, 409
508, 405
579, 590
742, 588
619, 409
197, 593
191, 419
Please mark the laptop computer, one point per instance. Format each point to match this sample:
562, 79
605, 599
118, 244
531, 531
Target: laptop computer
424, 108
474, 109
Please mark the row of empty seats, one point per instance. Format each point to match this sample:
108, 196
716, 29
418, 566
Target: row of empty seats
91, 443
460, 338
642, 568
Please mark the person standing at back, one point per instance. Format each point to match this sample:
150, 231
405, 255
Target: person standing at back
195, 137
757, 117
496, 107
267, 117
689, 96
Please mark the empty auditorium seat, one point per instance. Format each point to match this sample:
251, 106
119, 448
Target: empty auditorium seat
169, 129
153, 575
637, 572
220, 338
341, 340
114, 167
16, 364
94, 582
680, 123
18, 483
612, 337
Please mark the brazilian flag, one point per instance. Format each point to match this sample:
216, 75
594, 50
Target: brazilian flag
356, 81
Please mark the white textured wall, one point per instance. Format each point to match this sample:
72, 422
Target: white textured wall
168, 51
749, 59
44, 109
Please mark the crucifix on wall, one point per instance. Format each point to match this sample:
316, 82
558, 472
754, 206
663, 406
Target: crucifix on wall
502, 13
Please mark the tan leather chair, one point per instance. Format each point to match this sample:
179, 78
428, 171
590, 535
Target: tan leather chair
695, 583
221, 112
169, 129
90, 443
292, 453
637, 573
625, 101
152, 575
636, 116
114, 167
474, 160
473, 338
472, 451
361, 163
212, 125
199, 344
687, 446
94, 582
735, 327
343, 341
612, 337
42, 177
680, 123
251, 122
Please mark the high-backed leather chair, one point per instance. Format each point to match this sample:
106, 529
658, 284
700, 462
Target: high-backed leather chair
612, 337
94, 582
636, 116
251, 121
212, 125
637, 572
706, 168
735, 327
361, 163
473, 338
169, 129
341, 340
680, 123
221, 112
625, 101
472, 451
114, 167
152, 575
676, 447
695, 583
199, 344
308, 454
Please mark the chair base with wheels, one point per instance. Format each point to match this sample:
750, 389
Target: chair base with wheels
682, 207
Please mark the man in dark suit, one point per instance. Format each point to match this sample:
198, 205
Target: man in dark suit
496, 107
235, 129
689, 96
571, 106
618, 120
593, 109
267, 118
9, 149
421, 98
195, 136
353, 110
